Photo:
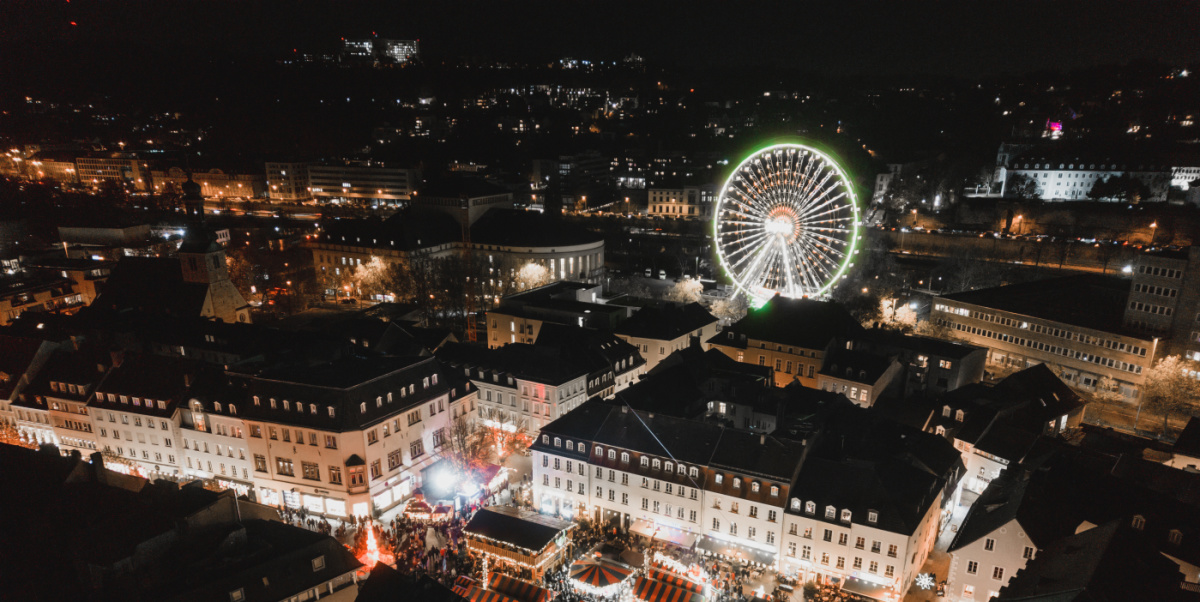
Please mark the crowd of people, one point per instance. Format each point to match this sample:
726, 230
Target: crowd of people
438, 549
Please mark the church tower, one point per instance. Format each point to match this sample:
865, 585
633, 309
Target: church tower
201, 257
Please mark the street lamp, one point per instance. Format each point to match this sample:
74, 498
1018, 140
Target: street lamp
1019, 218
1153, 231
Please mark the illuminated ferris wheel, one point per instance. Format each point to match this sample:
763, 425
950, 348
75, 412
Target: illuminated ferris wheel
786, 222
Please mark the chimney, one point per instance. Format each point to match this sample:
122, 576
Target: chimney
187, 379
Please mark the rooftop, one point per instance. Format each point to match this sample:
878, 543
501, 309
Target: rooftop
666, 323
1086, 300
521, 528
803, 323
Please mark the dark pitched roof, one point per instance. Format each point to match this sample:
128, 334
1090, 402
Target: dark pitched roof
666, 323
1110, 562
16, 356
405, 231
344, 385
759, 455
792, 322
684, 440
858, 366
517, 228
199, 239
81, 368
998, 505
900, 493
522, 528
544, 364
149, 377
154, 285
919, 344
1005, 420
1087, 300
1188, 443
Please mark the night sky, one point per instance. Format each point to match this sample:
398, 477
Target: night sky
853, 38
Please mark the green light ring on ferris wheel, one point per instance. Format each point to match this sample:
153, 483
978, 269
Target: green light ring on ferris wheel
755, 290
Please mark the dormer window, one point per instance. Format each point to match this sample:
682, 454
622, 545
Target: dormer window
1139, 522
810, 507
312, 409
845, 515
774, 491
872, 516
945, 411
669, 467
719, 479
557, 442
546, 439
737, 483
582, 447
433, 379
754, 487
362, 408
657, 464
959, 416
1175, 536
570, 446
830, 512
645, 461
624, 457
217, 406
796, 504
272, 401
331, 412
612, 454
599, 451
256, 401
694, 472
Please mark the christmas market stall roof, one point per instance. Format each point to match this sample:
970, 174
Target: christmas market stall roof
521, 528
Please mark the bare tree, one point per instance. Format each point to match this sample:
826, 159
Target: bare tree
1170, 388
685, 291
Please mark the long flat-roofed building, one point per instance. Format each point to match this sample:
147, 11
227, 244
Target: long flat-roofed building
1076, 324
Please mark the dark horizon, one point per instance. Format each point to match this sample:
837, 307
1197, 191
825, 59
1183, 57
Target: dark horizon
852, 39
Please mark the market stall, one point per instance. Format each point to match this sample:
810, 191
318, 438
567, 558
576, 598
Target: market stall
527, 540
599, 578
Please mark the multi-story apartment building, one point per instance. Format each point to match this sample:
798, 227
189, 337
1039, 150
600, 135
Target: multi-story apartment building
995, 427
502, 242
1001, 533
1069, 174
804, 503
43, 291
658, 332
859, 375
1082, 335
135, 415
288, 181
361, 182
20, 360
52, 408
520, 316
92, 171
522, 387
214, 183
52, 166
688, 202
928, 365
790, 335
352, 436
1164, 300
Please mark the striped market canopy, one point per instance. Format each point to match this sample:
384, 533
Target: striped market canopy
478, 594
675, 580
462, 585
519, 589
649, 590
598, 574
